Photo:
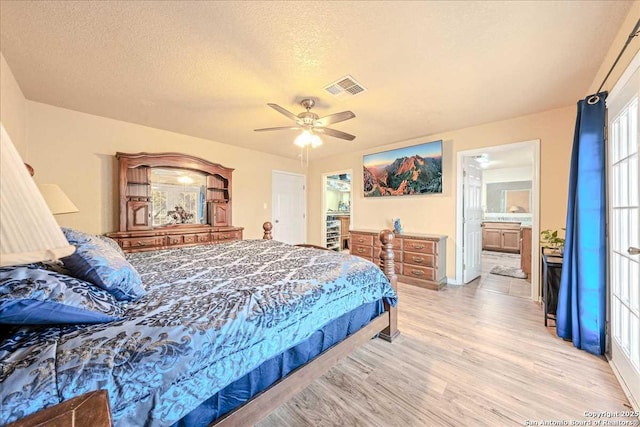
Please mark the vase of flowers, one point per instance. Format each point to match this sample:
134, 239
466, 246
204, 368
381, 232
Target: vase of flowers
180, 216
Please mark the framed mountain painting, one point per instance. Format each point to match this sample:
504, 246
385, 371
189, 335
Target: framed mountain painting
404, 171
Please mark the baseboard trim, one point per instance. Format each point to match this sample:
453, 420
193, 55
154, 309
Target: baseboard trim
635, 405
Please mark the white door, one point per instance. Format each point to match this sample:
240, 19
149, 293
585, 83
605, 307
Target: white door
472, 219
289, 212
624, 229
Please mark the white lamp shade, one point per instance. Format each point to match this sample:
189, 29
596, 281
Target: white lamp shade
307, 138
55, 198
303, 139
28, 231
315, 141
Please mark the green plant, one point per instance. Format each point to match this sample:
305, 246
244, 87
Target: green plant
550, 239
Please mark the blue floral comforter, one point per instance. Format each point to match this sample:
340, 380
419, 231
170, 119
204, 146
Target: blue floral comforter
211, 314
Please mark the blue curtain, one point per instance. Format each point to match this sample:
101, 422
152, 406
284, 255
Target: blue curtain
582, 296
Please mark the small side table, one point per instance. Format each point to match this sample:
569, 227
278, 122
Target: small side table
551, 276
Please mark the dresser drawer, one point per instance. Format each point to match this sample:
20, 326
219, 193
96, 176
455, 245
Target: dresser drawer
203, 237
395, 243
141, 242
174, 240
363, 251
189, 238
361, 239
397, 255
421, 246
222, 236
414, 258
425, 273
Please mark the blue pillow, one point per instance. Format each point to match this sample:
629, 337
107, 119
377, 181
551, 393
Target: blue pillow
34, 296
99, 263
112, 243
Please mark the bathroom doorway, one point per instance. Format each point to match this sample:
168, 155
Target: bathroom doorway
496, 231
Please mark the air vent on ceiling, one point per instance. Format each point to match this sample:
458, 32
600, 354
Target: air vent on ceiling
345, 86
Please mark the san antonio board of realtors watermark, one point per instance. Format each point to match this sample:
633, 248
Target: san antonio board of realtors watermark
594, 418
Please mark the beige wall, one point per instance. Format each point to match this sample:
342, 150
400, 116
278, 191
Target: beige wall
13, 108
76, 151
437, 213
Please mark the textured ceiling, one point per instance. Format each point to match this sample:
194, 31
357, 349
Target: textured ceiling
208, 69
509, 157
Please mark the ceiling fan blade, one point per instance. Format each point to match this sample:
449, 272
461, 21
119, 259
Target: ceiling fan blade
279, 128
334, 133
283, 111
334, 118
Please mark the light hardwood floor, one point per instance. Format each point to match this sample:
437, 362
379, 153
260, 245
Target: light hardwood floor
467, 356
502, 284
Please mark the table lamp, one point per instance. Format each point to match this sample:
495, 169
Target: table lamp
57, 201
28, 231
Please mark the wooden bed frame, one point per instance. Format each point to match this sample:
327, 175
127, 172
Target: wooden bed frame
95, 404
385, 326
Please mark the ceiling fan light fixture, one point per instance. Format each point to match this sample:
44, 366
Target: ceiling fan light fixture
185, 179
315, 141
311, 124
303, 139
307, 138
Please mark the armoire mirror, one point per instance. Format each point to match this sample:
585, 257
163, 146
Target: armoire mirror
178, 196
162, 190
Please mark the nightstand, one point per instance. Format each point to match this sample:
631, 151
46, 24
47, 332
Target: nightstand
89, 410
551, 276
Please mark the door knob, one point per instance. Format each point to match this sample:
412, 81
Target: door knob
633, 251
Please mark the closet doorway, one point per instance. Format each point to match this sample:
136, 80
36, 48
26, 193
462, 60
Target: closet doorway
337, 196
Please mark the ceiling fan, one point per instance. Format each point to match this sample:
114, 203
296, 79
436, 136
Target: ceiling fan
310, 122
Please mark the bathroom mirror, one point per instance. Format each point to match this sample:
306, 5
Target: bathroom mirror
509, 197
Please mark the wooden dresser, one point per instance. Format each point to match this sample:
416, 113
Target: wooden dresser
152, 184
166, 238
419, 259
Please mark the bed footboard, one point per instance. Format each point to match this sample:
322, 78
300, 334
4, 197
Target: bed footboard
386, 264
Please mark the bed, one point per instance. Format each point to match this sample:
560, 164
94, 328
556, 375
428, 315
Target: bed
224, 334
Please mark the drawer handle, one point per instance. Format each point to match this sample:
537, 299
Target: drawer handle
360, 240
417, 259
360, 250
141, 243
417, 246
417, 272
225, 236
